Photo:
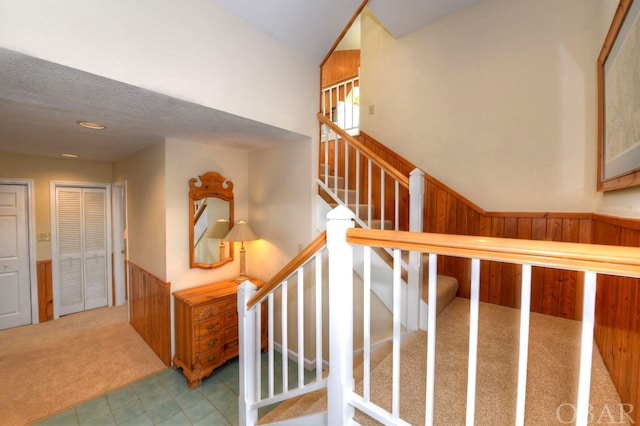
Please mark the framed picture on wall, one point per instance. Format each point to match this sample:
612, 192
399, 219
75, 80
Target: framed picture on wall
619, 101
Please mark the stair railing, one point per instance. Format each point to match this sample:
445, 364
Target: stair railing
279, 386
347, 176
341, 239
340, 103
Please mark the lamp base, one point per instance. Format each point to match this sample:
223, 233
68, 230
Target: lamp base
241, 279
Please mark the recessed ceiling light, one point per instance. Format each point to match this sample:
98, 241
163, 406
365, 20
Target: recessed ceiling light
90, 125
69, 155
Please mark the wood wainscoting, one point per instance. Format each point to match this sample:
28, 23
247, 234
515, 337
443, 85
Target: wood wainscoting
557, 293
45, 290
150, 310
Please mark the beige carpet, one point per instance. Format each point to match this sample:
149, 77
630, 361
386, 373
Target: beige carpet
49, 367
551, 383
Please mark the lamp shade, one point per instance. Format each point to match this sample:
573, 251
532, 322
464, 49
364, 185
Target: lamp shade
218, 230
241, 231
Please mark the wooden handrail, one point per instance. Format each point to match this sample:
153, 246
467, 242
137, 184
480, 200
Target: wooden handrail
377, 160
615, 260
289, 268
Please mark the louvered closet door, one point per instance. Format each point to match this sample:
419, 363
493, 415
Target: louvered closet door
81, 226
95, 248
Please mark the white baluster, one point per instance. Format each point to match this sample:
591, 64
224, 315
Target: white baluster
300, 289
318, 316
473, 340
285, 335
586, 348
525, 305
397, 320
357, 183
346, 173
367, 323
271, 341
369, 190
431, 338
382, 198
415, 270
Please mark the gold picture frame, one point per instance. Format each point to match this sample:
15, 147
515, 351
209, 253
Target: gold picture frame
618, 70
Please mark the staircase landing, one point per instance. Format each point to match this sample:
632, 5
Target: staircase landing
552, 371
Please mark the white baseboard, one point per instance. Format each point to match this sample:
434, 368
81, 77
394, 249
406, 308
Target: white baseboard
309, 364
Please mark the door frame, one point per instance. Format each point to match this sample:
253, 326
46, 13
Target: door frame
119, 225
31, 237
55, 272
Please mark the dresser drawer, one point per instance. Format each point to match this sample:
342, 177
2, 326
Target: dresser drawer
220, 306
209, 342
214, 325
231, 349
211, 358
231, 317
231, 333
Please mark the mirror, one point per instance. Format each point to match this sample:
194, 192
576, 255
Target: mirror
210, 218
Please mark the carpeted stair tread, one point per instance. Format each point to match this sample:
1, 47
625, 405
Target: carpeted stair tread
446, 290
331, 181
299, 406
552, 369
316, 401
412, 366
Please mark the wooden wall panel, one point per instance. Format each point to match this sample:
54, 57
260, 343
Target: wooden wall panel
341, 65
45, 290
150, 310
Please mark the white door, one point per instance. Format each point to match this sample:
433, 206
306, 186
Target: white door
82, 263
15, 281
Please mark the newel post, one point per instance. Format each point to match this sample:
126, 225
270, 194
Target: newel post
416, 224
340, 381
248, 352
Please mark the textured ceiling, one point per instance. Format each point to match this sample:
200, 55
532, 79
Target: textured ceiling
40, 103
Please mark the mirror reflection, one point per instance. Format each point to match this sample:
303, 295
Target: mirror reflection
210, 216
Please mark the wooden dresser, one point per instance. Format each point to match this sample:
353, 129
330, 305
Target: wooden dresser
206, 324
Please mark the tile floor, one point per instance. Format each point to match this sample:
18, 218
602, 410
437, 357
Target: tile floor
165, 399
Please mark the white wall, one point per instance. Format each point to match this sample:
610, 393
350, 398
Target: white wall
498, 101
280, 196
145, 174
186, 160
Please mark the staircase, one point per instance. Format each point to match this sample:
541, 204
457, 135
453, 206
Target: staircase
333, 192
413, 361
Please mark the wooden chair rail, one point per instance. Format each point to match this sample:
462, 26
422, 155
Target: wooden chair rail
291, 267
377, 160
616, 260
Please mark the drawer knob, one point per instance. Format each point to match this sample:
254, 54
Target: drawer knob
211, 358
212, 326
212, 342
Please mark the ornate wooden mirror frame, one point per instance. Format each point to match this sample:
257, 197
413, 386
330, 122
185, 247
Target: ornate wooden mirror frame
210, 218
